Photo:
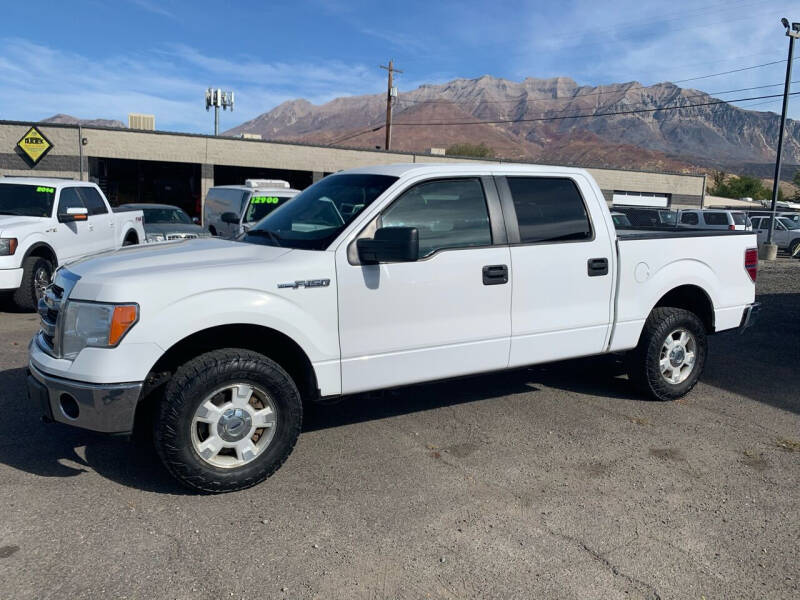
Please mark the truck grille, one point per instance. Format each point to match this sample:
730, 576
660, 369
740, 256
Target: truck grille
181, 236
49, 309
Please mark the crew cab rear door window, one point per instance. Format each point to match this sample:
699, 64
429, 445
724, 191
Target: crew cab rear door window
549, 209
689, 219
448, 213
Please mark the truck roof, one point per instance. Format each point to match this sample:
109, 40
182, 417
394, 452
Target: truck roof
48, 181
407, 169
247, 188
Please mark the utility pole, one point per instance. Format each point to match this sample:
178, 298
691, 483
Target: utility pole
217, 98
792, 33
391, 92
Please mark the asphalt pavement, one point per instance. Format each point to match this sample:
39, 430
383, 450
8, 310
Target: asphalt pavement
556, 481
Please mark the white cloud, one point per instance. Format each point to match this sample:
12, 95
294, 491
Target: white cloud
169, 82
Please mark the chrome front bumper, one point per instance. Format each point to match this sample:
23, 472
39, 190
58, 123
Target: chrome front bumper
107, 408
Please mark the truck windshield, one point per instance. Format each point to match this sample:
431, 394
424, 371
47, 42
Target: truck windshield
316, 216
261, 204
26, 200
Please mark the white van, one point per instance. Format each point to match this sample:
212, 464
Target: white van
734, 220
232, 209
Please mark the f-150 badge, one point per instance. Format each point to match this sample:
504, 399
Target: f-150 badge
307, 283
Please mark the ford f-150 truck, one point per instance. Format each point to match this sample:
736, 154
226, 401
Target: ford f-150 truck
374, 278
47, 222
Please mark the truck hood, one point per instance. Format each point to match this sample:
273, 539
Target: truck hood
8, 223
145, 264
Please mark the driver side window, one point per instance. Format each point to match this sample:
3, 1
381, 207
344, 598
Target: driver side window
447, 214
69, 198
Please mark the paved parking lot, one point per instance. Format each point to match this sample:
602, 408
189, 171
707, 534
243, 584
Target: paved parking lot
549, 482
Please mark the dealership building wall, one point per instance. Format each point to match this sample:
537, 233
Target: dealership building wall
155, 166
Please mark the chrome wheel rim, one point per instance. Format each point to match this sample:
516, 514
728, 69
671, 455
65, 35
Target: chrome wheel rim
41, 279
233, 425
678, 356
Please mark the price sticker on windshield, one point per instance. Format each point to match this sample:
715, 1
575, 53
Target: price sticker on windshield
265, 200
45, 190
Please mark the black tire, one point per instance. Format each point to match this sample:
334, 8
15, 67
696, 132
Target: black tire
644, 368
26, 297
188, 388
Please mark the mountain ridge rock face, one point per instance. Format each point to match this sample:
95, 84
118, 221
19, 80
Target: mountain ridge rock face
70, 120
545, 120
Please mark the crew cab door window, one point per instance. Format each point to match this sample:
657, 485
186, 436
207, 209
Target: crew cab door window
69, 198
92, 201
447, 214
549, 209
689, 219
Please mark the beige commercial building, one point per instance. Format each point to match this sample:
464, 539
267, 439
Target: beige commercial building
178, 168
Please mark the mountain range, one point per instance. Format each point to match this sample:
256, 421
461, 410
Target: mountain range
550, 121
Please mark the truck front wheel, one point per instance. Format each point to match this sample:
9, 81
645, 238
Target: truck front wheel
37, 273
671, 354
228, 420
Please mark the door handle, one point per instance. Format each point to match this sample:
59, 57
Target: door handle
495, 274
597, 267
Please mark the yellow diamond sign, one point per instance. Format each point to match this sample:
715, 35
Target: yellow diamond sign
34, 145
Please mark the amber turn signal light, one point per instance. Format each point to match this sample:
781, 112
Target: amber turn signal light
123, 319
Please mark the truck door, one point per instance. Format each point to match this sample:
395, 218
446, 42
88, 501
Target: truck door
102, 234
561, 265
446, 314
71, 240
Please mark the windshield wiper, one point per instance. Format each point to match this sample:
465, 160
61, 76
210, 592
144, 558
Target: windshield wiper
266, 233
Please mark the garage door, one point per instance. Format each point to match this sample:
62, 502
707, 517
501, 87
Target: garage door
640, 199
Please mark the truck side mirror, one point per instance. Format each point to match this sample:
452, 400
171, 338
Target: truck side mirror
73, 214
230, 217
196, 220
390, 244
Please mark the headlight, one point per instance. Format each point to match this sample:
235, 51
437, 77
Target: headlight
155, 237
95, 325
8, 246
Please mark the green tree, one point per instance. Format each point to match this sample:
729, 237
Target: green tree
473, 150
743, 186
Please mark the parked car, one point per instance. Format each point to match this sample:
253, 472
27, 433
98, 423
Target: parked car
620, 220
786, 234
163, 222
232, 209
47, 222
375, 278
657, 218
732, 220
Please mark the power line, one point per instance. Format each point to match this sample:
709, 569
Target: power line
774, 62
556, 118
606, 114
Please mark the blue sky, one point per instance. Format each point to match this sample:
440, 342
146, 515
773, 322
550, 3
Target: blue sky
101, 59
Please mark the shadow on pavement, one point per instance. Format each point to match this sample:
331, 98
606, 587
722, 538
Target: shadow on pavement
763, 363
55, 450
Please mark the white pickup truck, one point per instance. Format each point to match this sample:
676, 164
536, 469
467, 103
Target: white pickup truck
369, 279
47, 222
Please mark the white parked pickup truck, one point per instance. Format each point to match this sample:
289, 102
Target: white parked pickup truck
47, 222
442, 271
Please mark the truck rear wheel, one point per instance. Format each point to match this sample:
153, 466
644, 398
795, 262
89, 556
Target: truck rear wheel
37, 273
671, 354
228, 420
